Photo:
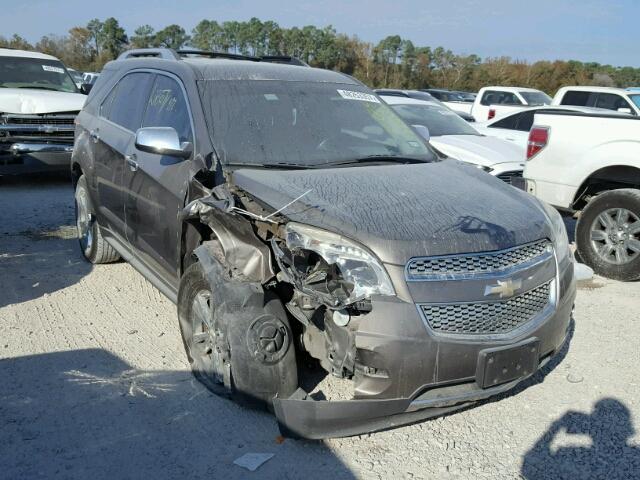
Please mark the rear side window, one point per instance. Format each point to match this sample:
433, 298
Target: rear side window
525, 121
508, 123
167, 107
127, 105
577, 98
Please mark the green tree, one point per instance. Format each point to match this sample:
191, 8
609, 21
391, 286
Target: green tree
113, 37
143, 37
172, 36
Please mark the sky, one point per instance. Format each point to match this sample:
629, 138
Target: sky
604, 31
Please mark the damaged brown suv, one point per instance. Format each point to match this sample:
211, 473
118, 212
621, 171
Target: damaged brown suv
291, 216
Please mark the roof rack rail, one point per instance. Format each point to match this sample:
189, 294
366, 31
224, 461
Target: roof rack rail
204, 53
165, 53
284, 59
170, 54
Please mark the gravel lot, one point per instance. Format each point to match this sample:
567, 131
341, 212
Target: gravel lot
94, 384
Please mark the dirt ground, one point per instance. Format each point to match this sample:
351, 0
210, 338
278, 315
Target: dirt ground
94, 384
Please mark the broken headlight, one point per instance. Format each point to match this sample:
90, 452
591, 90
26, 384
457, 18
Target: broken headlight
336, 269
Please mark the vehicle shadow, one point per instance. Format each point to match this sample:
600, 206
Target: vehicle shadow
608, 454
39, 251
88, 414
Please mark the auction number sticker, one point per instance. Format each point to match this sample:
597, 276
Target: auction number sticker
49, 68
363, 97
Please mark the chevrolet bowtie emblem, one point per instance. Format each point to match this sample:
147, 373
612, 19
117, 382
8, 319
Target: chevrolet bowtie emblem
504, 288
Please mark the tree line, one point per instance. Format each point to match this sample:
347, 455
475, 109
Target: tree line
392, 62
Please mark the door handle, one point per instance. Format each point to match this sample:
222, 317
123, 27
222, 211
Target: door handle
131, 161
94, 135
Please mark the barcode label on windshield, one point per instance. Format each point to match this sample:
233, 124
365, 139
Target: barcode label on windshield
363, 97
49, 68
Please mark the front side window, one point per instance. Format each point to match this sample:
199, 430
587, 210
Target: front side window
439, 120
167, 107
270, 122
611, 101
129, 100
35, 73
536, 98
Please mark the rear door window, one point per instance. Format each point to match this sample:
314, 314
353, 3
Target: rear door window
578, 98
128, 102
167, 107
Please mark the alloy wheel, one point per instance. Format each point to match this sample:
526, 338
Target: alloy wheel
615, 236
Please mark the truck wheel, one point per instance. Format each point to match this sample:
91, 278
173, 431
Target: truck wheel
92, 244
608, 234
250, 358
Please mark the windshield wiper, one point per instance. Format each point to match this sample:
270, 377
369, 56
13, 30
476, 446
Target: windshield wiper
39, 87
281, 165
372, 159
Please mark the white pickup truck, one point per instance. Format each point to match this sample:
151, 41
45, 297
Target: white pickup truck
39, 102
494, 102
590, 164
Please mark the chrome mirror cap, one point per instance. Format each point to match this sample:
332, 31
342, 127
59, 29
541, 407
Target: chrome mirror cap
162, 141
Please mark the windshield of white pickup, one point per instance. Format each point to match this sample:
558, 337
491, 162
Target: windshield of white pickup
37, 73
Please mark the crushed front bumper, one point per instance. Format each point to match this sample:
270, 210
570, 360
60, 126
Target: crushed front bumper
299, 416
31, 157
427, 376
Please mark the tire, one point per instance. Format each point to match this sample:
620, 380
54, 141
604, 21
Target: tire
248, 378
608, 234
92, 244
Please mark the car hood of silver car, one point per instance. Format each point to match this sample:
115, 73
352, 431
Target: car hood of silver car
403, 211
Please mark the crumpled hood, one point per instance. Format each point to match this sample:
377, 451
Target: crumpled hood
477, 149
403, 211
26, 101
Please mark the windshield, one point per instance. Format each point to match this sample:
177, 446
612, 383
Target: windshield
635, 99
536, 98
438, 119
268, 122
21, 72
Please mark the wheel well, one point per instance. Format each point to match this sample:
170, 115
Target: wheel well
608, 178
193, 235
76, 173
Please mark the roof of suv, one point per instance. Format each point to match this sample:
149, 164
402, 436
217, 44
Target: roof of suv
586, 88
226, 69
10, 52
225, 66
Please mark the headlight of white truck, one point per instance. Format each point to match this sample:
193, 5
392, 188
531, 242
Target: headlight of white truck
341, 269
560, 237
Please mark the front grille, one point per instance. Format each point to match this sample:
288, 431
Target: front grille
475, 263
56, 127
487, 318
507, 176
46, 119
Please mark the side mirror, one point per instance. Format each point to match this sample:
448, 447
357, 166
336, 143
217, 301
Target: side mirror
162, 141
625, 110
422, 131
86, 88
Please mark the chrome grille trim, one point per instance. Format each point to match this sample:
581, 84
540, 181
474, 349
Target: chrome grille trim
487, 318
474, 265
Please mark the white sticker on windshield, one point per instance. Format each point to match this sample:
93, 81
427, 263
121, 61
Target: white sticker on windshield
270, 96
363, 97
49, 68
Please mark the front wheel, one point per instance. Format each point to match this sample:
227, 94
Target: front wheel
608, 234
237, 344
